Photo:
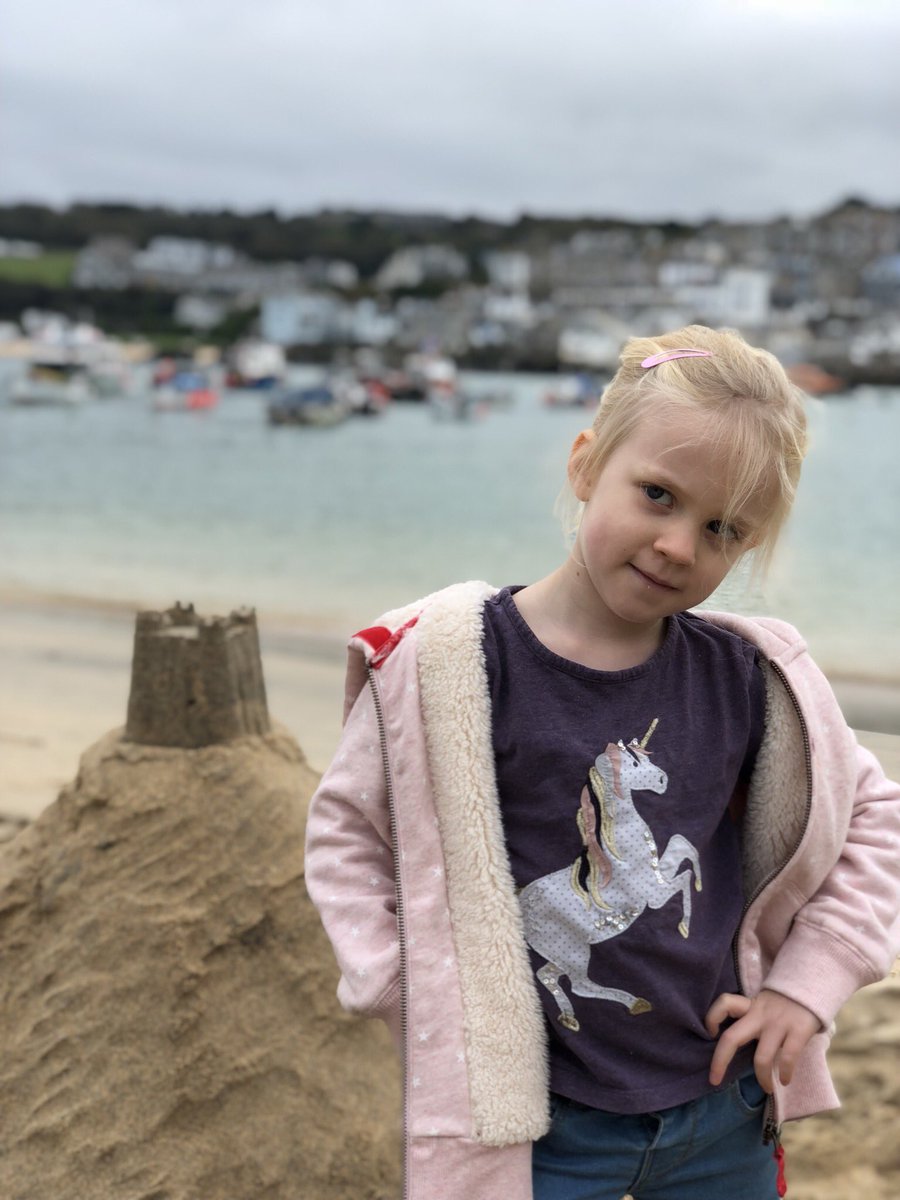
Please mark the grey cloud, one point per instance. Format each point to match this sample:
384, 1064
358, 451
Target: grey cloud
649, 109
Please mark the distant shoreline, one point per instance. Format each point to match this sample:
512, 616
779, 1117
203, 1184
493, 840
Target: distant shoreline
305, 627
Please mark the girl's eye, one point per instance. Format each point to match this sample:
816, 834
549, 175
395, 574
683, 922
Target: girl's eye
657, 494
728, 533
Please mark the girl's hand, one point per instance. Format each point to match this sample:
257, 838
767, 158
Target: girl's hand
780, 1026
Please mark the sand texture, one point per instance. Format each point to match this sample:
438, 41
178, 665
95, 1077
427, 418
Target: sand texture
168, 1026
854, 1152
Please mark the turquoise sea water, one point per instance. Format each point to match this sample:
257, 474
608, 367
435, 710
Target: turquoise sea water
329, 527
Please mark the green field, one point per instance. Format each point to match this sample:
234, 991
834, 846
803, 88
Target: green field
49, 270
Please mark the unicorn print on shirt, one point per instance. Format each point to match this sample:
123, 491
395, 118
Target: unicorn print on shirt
565, 914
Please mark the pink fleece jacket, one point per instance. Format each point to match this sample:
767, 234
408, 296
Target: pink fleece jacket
407, 864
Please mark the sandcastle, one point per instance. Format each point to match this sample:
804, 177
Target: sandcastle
169, 1028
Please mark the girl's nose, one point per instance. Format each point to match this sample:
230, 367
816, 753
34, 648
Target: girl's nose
677, 542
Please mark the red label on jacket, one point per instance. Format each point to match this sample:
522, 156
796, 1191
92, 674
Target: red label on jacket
375, 635
383, 641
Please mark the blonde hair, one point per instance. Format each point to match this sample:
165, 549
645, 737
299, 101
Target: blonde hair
756, 415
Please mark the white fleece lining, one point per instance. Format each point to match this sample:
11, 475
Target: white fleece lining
773, 828
503, 1020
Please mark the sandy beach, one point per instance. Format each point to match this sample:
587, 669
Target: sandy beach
67, 671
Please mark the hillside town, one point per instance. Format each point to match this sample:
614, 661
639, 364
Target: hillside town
823, 292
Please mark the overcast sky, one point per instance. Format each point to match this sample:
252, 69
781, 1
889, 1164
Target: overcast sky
636, 108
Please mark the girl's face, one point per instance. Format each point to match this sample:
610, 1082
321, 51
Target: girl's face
652, 541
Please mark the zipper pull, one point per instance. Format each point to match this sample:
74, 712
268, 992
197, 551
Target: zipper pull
772, 1134
780, 1180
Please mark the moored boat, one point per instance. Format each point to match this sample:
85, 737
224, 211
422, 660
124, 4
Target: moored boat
58, 382
185, 391
814, 379
256, 364
315, 406
362, 395
575, 391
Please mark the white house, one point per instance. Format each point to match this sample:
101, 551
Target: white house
369, 326
199, 312
740, 297
18, 248
301, 318
105, 262
591, 338
329, 272
414, 265
514, 310
182, 256
508, 270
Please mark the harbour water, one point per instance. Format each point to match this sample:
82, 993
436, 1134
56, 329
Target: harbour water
327, 527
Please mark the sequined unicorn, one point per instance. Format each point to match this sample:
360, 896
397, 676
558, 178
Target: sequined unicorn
565, 915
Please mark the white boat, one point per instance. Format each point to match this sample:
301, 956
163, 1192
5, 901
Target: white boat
52, 382
361, 396
256, 364
431, 371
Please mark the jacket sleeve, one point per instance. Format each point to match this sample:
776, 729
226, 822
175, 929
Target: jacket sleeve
350, 869
847, 934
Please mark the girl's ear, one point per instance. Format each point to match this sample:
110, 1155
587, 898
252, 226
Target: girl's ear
579, 478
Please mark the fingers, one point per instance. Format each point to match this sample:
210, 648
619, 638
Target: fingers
768, 1053
775, 1060
781, 1028
778, 1052
726, 1006
728, 1045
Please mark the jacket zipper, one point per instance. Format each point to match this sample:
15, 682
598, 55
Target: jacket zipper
772, 1126
401, 918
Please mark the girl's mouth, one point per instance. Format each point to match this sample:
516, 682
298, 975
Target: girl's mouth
652, 581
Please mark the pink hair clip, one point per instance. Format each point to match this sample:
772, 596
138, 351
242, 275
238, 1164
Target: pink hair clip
655, 359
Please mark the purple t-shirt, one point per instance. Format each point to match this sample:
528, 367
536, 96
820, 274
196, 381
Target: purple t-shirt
615, 791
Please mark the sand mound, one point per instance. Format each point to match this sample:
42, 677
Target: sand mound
168, 1027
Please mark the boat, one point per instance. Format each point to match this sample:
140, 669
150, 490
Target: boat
315, 406
255, 364
187, 390
419, 374
575, 391
110, 378
362, 395
166, 368
815, 380
58, 382
452, 404
401, 385
69, 365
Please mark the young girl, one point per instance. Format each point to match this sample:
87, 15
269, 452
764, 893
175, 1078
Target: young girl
606, 866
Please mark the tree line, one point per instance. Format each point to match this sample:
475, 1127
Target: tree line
364, 238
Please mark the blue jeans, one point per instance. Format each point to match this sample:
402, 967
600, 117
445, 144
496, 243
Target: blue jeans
708, 1149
